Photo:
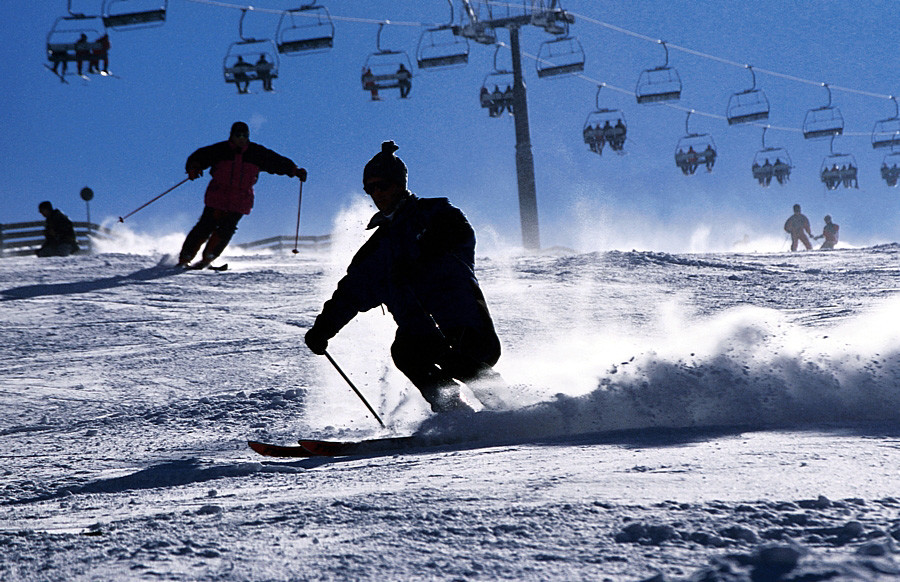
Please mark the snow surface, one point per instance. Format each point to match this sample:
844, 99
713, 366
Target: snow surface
675, 416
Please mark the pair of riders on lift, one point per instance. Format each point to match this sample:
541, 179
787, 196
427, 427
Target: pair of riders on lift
262, 71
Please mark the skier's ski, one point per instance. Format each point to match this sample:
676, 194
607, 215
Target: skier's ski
317, 448
340, 448
200, 266
270, 450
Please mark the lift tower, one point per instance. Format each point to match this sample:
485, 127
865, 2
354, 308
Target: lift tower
481, 30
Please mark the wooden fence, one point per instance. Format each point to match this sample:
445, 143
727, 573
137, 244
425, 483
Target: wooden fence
281, 243
24, 238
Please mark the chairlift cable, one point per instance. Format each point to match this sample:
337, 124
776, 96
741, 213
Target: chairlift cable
590, 19
685, 109
725, 61
333, 17
609, 26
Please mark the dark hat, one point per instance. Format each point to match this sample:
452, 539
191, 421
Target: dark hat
239, 127
45, 205
386, 165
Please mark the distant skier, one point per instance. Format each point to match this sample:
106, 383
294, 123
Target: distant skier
235, 166
829, 233
59, 233
420, 264
798, 227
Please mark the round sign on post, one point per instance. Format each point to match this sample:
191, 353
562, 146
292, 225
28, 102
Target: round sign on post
87, 195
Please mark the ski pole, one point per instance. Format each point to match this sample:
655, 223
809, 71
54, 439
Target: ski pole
122, 218
297, 233
358, 393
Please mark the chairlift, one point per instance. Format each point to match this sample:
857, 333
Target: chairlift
250, 59
605, 126
771, 162
825, 121
386, 69
305, 30
749, 105
839, 170
890, 169
659, 84
76, 38
554, 20
441, 47
124, 15
694, 150
476, 29
560, 56
886, 133
496, 94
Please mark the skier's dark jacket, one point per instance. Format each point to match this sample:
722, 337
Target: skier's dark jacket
420, 264
58, 229
235, 171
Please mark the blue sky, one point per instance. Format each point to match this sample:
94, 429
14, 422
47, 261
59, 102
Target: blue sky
127, 137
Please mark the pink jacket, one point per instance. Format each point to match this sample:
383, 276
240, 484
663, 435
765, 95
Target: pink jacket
234, 171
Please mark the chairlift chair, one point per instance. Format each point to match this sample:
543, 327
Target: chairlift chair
771, 162
839, 170
659, 84
305, 30
479, 32
886, 133
749, 105
124, 15
386, 69
66, 32
242, 62
552, 19
560, 56
496, 93
476, 29
605, 126
442, 47
694, 150
825, 121
890, 169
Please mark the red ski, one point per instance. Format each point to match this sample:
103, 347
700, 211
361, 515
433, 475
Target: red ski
317, 448
278, 450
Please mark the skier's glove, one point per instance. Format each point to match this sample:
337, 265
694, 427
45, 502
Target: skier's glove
194, 172
316, 341
300, 173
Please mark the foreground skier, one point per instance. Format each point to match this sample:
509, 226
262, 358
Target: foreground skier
419, 263
234, 166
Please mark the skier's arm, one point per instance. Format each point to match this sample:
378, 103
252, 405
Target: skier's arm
201, 159
274, 163
359, 290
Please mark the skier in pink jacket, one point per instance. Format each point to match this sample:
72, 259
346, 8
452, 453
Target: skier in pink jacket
234, 165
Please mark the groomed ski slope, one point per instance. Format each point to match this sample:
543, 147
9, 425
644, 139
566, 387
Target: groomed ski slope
672, 413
